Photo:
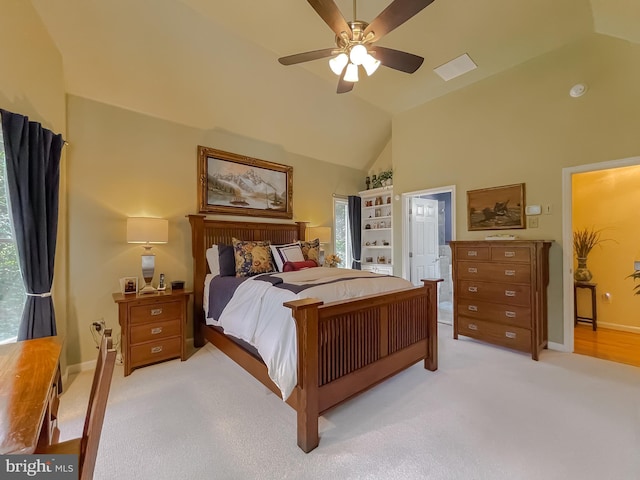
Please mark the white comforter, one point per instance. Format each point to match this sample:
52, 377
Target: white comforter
256, 313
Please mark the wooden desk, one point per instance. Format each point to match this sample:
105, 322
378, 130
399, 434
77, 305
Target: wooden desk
28, 393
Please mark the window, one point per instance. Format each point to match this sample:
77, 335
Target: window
12, 295
341, 232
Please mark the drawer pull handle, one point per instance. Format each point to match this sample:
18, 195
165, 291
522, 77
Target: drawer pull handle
472, 253
473, 326
473, 289
510, 314
157, 349
510, 273
510, 334
473, 308
156, 311
473, 270
510, 293
509, 254
155, 331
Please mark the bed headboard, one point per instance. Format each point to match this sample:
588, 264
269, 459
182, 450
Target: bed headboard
206, 232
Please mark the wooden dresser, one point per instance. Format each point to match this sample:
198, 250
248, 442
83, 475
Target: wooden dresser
500, 292
153, 326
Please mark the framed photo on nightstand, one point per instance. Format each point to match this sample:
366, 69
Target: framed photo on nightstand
129, 285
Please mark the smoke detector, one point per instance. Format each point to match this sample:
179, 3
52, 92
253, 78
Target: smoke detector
578, 90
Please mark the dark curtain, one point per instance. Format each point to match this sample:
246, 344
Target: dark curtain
355, 218
32, 156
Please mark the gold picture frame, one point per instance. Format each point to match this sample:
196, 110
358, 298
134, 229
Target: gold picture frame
233, 184
496, 208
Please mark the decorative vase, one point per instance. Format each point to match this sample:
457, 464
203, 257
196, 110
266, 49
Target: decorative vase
582, 273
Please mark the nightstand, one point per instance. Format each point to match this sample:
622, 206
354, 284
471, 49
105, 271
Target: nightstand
153, 326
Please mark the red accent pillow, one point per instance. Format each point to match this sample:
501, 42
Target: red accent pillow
295, 266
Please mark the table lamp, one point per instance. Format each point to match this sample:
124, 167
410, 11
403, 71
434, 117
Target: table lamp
147, 231
323, 234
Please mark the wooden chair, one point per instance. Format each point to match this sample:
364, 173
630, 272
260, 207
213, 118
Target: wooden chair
86, 447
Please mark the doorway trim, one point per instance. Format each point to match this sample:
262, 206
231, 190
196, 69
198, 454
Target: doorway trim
406, 204
567, 240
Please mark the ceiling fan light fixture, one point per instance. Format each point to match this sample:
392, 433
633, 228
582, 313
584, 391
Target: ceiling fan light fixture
370, 64
358, 54
352, 73
338, 63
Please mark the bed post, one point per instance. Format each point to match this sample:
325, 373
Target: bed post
305, 313
431, 360
199, 272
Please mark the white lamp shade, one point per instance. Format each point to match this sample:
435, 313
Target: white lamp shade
323, 234
370, 64
338, 63
147, 230
357, 54
352, 73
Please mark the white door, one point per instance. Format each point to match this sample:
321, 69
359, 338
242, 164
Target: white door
423, 253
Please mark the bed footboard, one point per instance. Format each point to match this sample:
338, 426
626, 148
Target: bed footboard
347, 347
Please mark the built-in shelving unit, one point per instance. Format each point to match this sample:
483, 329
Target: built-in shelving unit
377, 230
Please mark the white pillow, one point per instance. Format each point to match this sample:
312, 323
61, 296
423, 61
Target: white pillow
286, 253
212, 260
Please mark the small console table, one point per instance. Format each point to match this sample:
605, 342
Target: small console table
593, 320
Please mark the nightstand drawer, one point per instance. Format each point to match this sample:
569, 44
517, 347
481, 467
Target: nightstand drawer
155, 351
156, 312
154, 331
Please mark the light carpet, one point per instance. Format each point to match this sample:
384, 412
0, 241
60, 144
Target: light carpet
487, 413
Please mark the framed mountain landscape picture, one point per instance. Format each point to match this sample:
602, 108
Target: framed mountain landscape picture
234, 184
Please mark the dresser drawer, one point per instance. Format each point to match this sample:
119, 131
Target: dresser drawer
502, 293
153, 331
495, 312
505, 335
495, 272
160, 349
472, 253
156, 312
511, 254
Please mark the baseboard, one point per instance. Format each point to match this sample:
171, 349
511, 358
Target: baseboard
560, 347
621, 328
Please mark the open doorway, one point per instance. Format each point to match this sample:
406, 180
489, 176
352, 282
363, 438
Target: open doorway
428, 225
602, 196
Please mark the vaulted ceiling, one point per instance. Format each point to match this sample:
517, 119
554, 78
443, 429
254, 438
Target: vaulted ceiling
213, 64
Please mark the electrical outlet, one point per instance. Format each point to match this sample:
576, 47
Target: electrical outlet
532, 222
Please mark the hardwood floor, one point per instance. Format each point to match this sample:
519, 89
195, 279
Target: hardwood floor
614, 345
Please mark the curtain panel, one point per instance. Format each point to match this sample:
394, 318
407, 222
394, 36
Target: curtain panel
355, 219
32, 156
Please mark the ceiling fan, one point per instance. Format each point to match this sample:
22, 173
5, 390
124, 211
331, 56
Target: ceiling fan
355, 41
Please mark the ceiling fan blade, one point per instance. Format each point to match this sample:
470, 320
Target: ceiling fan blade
403, 61
306, 56
343, 85
398, 12
330, 13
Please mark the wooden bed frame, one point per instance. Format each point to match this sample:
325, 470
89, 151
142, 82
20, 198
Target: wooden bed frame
344, 348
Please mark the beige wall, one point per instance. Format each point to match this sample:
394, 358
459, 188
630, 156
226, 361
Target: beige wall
522, 126
124, 164
32, 84
608, 200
